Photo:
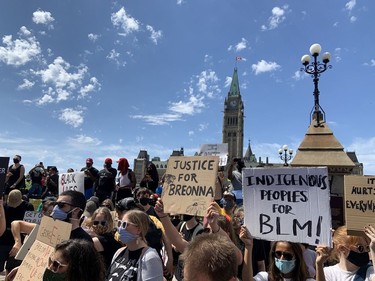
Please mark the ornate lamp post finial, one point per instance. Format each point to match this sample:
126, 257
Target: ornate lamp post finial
285, 154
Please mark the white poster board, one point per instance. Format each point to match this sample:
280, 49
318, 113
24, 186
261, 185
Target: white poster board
73, 181
291, 204
220, 150
33, 217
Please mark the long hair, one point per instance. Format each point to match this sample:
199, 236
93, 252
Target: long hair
107, 217
299, 272
140, 219
85, 263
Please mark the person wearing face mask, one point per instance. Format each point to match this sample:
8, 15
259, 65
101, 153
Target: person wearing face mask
91, 177
15, 177
101, 226
143, 197
69, 207
106, 182
136, 261
286, 261
229, 203
352, 255
72, 260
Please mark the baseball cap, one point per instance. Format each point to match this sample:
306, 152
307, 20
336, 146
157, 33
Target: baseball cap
89, 160
108, 160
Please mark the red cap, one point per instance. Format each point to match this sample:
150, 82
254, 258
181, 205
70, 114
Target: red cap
108, 161
89, 160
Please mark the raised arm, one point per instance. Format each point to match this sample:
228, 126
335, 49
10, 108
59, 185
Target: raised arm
370, 232
18, 227
247, 270
170, 230
2, 218
322, 254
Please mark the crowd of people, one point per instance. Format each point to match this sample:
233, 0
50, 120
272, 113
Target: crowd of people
120, 231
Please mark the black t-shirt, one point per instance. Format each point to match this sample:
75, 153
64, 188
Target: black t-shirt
80, 233
110, 245
53, 184
125, 266
106, 182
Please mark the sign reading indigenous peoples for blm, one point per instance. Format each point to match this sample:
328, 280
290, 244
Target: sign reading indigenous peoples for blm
74, 181
189, 185
359, 202
288, 204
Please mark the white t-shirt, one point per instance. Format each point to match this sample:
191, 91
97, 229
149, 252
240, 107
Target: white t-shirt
263, 276
335, 273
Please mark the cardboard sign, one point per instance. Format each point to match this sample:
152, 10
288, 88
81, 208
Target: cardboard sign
73, 181
32, 216
189, 185
220, 150
289, 204
4, 162
50, 233
359, 202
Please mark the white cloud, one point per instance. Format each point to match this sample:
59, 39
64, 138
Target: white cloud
158, 119
191, 133
241, 45
45, 99
180, 2
264, 66
93, 86
43, 17
202, 127
26, 85
57, 74
190, 107
19, 51
277, 17
353, 19
116, 58
85, 140
350, 5
93, 37
127, 23
298, 75
155, 35
72, 117
228, 81
207, 82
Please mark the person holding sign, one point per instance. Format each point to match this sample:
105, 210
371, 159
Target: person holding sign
73, 260
352, 253
286, 261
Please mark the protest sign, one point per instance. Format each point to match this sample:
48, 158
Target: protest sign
189, 185
74, 181
288, 204
32, 216
50, 233
220, 150
29, 241
359, 202
4, 162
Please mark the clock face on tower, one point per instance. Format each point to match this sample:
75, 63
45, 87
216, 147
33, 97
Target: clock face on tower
233, 103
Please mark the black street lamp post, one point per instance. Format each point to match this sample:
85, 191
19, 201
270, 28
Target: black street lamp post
315, 68
285, 154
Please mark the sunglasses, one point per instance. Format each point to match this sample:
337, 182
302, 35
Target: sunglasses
124, 224
103, 223
55, 264
362, 249
287, 256
61, 204
108, 206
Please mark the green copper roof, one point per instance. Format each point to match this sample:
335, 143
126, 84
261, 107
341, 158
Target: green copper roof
234, 87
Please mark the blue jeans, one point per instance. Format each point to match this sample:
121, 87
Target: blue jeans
35, 189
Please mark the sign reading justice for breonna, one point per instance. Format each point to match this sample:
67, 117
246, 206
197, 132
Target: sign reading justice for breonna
289, 204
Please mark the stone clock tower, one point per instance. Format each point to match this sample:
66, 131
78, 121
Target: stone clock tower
233, 122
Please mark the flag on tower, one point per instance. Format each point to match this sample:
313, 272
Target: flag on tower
238, 58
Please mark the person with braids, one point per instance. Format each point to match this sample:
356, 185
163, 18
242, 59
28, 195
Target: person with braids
286, 261
72, 260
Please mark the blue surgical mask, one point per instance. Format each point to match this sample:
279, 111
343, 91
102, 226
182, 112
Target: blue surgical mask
125, 236
285, 266
59, 214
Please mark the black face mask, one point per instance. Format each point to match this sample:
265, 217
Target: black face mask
144, 201
15, 160
187, 217
358, 259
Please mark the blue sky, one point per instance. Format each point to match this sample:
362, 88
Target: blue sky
104, 79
